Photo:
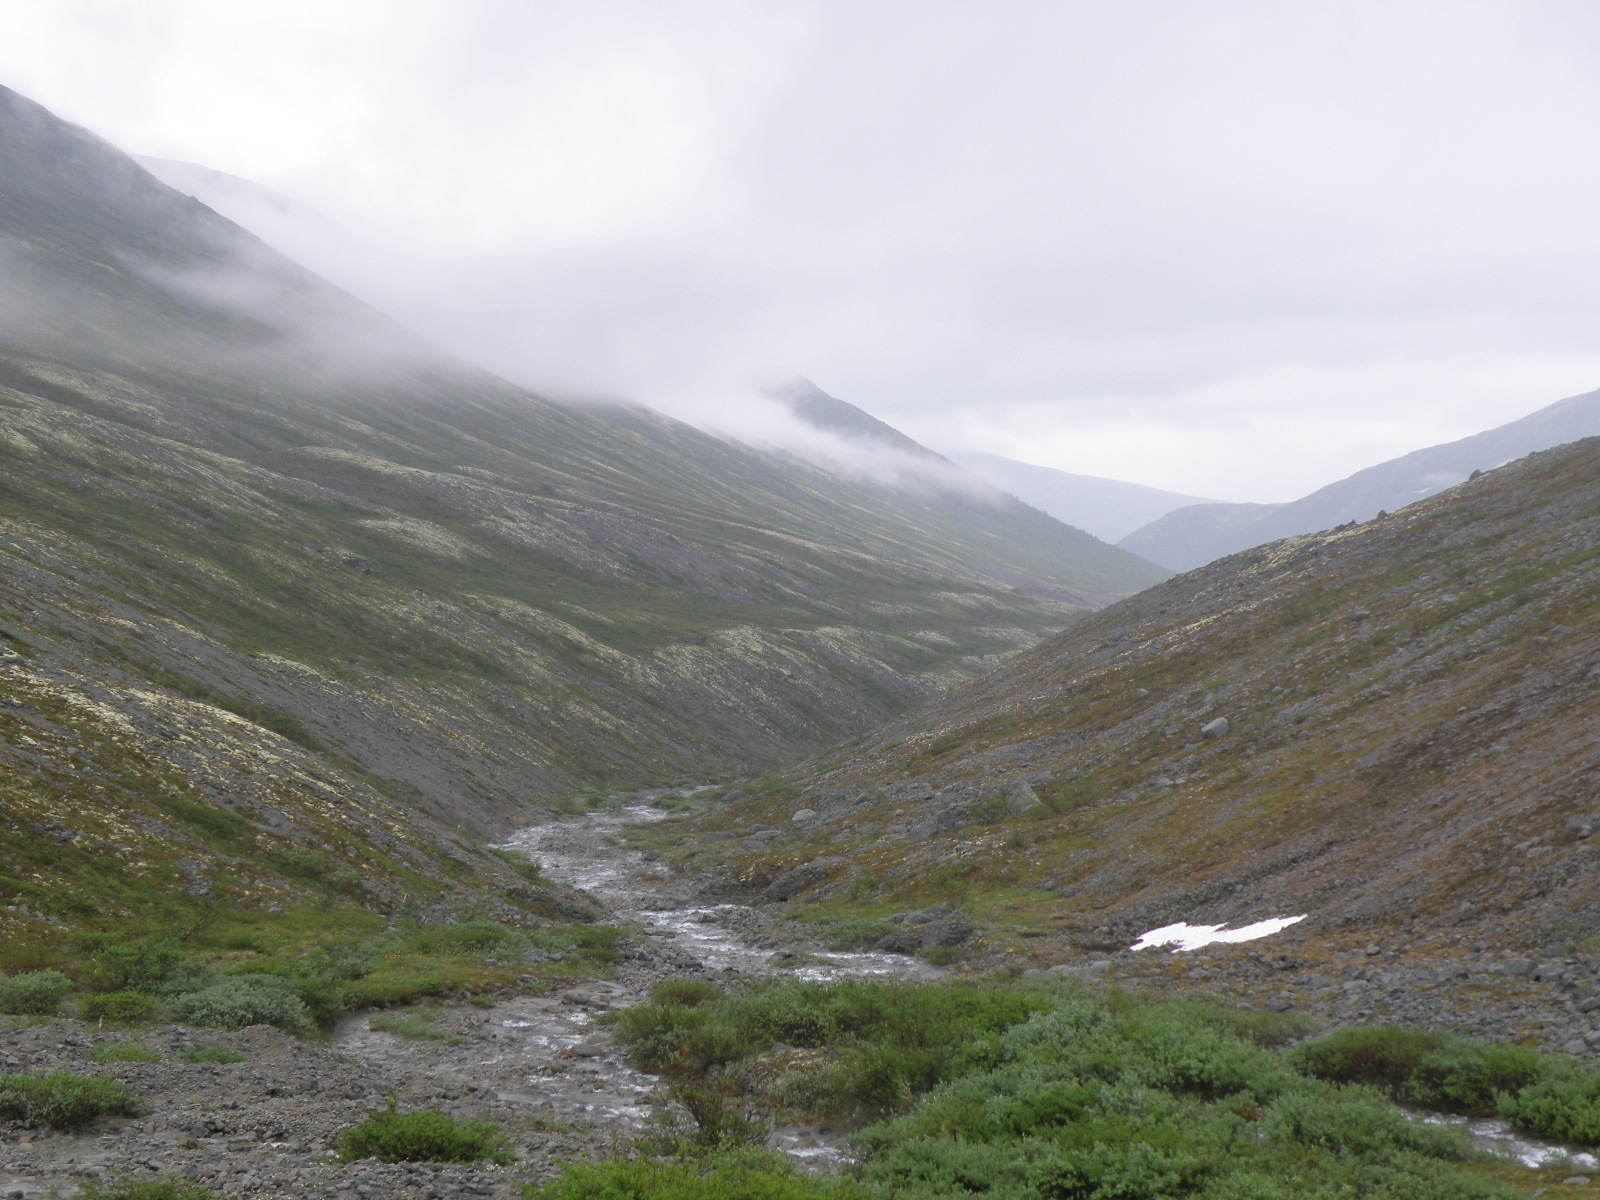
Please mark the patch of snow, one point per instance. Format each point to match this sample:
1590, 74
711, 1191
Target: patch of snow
1184, 936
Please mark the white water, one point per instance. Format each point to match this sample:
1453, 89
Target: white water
722, 937
576, 853
1498, 1137
1184, 936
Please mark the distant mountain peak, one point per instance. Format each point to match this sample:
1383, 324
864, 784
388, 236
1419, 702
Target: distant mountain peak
829, 414
1191, 537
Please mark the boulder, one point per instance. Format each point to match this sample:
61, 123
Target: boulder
1215, 729
898, 943
942, 821
1516, 968
1083, 972
948, 931
1020, 800
797, 879
804, 814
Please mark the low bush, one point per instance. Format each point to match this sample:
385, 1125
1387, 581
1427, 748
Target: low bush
143, 1189
1433, 1070
236, 1001
519, 862
855, 933
687, 993
33, 993
894, 1040
744, 1176
415, 1023
214, 1054
123, 1052
1357, 1121
1013, 1091
66, 1101
468, 937
120, 1008
428, 1136
150, 965
1566, 1109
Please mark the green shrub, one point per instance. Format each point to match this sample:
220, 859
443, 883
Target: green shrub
742, 1176
428, 1136
123, 1052
33, 993
894, 1039
1565, 1109
1378, 1056
214, 1054
519, 862
142, 1189
467, 937
236, 1001
120, 1008
1354, 1120
417, 1024
66, 1100
155, 966
1432, 1070
855, 933
688, 993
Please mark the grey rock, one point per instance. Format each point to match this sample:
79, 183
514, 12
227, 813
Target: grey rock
1021, 799
804, 814
1215, 729
797, 879
1516, 968
940, 822
899, 943
1086, 972
947, 932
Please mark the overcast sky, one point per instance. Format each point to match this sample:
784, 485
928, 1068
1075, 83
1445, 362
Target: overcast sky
1232, 249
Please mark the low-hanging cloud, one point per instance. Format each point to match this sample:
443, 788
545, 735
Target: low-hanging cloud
1234, 249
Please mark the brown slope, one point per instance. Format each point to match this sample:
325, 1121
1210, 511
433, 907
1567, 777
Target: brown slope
1412, 707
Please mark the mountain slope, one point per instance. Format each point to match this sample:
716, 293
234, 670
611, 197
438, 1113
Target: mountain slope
1189, 537
1108, 508
974, 512
1182, 540
1408, 747
290, 565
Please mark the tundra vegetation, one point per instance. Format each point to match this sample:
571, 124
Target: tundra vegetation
1021, 1091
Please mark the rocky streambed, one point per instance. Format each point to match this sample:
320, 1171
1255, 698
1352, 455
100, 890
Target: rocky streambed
540, 1066
543, 1067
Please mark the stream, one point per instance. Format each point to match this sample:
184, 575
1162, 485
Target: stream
548, 1055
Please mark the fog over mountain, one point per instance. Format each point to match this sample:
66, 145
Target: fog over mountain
1231, 250
1108, 508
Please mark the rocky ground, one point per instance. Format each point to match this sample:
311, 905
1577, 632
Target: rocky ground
547, 1072
539, 1066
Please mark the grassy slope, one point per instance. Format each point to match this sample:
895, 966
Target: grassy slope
1410, 705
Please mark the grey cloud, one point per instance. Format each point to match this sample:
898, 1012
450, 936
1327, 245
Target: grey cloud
1232, 248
